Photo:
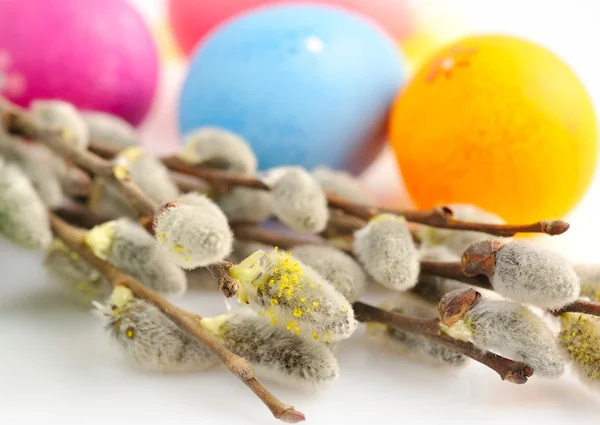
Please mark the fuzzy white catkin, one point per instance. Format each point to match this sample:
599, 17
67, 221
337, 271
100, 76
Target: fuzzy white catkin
433, 288
148, 172
386, 250
75, 276
589, 280
409, 345
149, 339
459, 240
127, 246
214, 147
512, 330
246, 205
275, 354
529, 273
44, 169
109, 129
343, 185
298, 200
63, 115
293, 296
580, 340
337, 267
24, 219
194, 232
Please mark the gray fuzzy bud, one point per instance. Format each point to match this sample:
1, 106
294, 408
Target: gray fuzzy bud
343, 185
512, 330
44, 168
193, 232
337, 267
409, 345
589, 280
24, 219
63, 115
386, 250
110, 129
529, 273
274, 353
293, 296
149, 339
243, 204
459, 240
127, 246
149, 173
146, 171
75, 276
213, 147
433, 288
298, 200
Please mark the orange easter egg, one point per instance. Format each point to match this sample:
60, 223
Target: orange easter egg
498, 122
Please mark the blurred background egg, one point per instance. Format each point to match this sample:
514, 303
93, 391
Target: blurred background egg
191, 20
498, 122
304, 84
97, 54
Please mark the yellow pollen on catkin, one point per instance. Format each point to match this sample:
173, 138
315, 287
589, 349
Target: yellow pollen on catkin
274, 301
297, 330
315, 336
290, 325
273, 321
315, 304
302, 300
297, 312
271, 313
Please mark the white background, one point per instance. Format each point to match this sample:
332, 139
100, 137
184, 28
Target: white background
56, 366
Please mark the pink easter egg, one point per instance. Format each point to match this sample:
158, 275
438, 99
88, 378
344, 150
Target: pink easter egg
97, 54
191, 20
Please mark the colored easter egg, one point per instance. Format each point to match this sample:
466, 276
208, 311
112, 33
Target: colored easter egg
97, 54
498, 122
193, 19
304, 84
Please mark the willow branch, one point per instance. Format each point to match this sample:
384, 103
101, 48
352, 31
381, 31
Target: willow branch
454, 271
509, 370
73, 238
440, 217
20, 123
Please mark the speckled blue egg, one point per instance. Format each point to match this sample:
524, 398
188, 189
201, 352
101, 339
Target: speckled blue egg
304, 84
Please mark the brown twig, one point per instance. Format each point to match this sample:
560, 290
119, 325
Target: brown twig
440, 217
509, 370
73, 238
20, 123
249, 232
580, 306
454, 271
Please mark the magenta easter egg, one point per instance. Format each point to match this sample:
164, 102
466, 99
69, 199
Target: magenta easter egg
191, 20
97, 54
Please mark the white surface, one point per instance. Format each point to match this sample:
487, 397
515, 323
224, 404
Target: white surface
56, 366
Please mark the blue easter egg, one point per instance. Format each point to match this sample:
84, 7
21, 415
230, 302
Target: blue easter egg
304, 84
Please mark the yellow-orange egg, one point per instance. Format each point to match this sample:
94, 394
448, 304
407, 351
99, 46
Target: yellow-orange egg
498, 122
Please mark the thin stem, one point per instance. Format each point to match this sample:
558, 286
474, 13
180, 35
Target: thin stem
509, 370
440, 217
248, 232
580, 306
20, 123
453, 270
73, 238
